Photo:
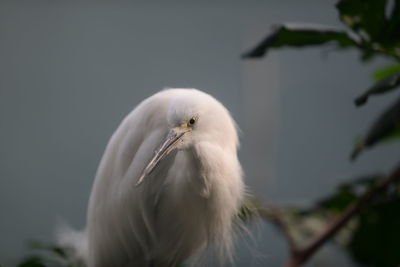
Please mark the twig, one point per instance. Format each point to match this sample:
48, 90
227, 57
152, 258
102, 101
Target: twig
300, 256
275, 216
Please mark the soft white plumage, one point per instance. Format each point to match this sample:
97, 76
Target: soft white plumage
189, 195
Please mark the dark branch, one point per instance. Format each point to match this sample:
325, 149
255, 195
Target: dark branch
300, 256
275, 216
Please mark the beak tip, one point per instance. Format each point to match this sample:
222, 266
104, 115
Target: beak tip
140, 180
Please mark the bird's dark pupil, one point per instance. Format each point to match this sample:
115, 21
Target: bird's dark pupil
192, 121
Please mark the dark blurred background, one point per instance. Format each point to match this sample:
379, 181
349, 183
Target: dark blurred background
71, 70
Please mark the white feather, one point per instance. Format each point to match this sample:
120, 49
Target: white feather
185, 205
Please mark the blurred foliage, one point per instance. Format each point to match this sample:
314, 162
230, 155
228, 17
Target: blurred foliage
383, 86
50, 255
32, 261
375, 22
385, 128
371, 237
375, 241
299, 35
387, 71
373, 28
46, 255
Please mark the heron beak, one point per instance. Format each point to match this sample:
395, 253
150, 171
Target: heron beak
169, 144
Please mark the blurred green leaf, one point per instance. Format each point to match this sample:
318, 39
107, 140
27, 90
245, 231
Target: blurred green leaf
377, 26
386, 71
253, 209
51, 248
374, 30
32, 261
48, 254
300, 35
372, 236
375, 241
340, 200
381, 87
247, 211
363, 16
372, 19
385, 128
393, 25
347, 193
395, 134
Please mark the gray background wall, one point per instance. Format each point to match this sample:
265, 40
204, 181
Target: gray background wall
70, 71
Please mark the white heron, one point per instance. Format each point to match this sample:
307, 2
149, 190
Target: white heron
169, 185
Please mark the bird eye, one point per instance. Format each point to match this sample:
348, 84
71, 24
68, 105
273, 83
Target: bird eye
192, 121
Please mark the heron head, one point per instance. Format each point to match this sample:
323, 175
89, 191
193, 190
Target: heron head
194, 117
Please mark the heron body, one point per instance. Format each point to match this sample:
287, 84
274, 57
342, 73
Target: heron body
169, 184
